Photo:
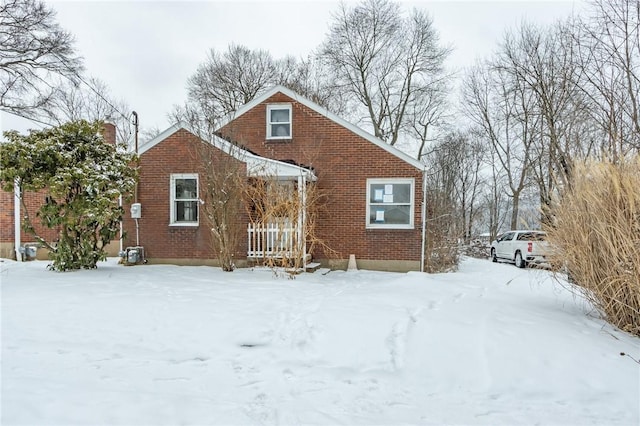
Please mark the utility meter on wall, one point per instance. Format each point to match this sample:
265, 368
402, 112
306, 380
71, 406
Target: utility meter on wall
136, 211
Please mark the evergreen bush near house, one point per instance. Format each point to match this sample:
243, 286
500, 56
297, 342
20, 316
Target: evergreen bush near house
596, 238
82, 177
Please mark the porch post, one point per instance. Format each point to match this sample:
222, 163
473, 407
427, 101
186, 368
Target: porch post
302, 193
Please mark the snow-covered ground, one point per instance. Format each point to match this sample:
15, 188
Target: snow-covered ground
165, 345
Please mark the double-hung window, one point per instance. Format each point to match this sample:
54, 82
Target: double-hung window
279, 121
390, 203
184, 199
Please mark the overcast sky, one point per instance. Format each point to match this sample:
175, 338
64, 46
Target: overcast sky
146, 50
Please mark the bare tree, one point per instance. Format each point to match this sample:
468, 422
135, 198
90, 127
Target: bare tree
543, 59
90, 100
441, 245
502, 108
149, 133
428, 114
225, 81
457, 163
225, 188
552, 95
495, 200
619, 24
311, 78
472, 152
608, 58
35, 55
385, 61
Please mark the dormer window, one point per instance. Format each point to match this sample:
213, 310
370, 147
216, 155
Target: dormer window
279, 121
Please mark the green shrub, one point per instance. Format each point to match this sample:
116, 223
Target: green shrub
83, 178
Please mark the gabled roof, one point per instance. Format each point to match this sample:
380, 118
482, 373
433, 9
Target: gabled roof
328, 114
256, 165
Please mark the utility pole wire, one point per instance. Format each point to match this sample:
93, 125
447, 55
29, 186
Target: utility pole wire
77, 74
27, 118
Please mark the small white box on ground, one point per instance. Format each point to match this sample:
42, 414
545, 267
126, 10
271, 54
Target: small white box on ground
352, 266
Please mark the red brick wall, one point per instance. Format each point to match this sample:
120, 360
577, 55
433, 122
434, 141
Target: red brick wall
6, 216
7, 233
176, 154
342, 161
109, 133
33, 202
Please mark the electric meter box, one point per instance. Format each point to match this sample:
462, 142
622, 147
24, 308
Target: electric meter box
136, 211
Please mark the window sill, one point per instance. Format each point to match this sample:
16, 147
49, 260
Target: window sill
391, 227
184, 225
270, 140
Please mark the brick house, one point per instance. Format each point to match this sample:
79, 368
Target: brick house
374, 201
373, 193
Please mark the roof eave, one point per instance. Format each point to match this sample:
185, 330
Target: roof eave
257, 166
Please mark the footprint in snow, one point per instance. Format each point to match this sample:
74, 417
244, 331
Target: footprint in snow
259, 411
288, 374
458, 297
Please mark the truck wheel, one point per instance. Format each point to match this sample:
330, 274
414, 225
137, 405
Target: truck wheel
520, 263
494, 258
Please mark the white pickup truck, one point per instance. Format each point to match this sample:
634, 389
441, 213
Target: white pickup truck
521, 247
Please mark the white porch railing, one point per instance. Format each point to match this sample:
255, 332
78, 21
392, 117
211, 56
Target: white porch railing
272, 239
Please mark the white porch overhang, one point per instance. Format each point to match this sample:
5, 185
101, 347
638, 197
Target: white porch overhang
265, 167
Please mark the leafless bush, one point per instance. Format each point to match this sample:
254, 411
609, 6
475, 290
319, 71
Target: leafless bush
596, 238
224, 191
476, 248
292, 216
441, 248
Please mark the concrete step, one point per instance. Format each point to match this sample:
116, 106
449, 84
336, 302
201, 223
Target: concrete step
312, 267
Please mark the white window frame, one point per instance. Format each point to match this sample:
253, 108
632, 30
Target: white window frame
272, 107
172, 199
382, 181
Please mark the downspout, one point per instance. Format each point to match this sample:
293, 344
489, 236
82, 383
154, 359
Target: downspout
121, 248
16, 220
424, 218
302, 242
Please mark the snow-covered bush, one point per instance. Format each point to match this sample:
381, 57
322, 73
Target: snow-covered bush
83, 177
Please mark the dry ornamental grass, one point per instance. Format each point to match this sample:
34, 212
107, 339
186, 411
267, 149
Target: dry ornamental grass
596, 236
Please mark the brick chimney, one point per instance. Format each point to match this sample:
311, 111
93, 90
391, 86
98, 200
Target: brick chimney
109, 133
